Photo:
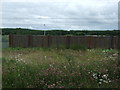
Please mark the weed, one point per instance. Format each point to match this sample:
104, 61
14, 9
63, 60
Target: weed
59, 68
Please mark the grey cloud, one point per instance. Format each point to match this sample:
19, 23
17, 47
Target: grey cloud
61, 15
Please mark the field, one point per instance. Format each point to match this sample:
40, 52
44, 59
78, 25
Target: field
60, 68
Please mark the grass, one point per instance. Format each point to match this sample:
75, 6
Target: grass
60, 68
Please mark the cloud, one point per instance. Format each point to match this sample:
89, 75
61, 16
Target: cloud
60, 1
75, 14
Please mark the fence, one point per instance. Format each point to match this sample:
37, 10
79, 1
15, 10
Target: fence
104, 42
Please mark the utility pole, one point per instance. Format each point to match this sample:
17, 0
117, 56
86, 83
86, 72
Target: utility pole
44, 30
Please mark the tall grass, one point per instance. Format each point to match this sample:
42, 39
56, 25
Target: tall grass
60, 68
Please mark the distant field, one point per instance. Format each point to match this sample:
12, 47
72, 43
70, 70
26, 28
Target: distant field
60, 68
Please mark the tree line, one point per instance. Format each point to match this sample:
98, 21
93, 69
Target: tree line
22, 31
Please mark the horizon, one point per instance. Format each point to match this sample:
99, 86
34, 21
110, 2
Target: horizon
56, 29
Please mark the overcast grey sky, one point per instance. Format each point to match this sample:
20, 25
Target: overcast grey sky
60, 14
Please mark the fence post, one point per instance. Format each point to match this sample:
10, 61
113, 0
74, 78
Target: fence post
111, 42
118, 42
11, 40
118, 47
30, 41
88, 41
68, 42
48, 41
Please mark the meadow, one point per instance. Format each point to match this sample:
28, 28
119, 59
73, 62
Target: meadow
60, 68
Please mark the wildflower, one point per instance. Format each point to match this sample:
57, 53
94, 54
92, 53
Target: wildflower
12, 84
45, 57
101, 79
64, 66
115, 54
18, 75
103, 51
21, 59
61, 87
53, 84
94, 74
89, 72
109, 80
105, 81
24, 61
100, 82
50, 65
49, 86
105, 76
106, 70
118, 67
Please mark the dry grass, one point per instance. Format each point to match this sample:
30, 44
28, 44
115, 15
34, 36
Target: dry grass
42, 56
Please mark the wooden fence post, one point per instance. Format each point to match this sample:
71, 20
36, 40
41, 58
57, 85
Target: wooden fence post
111, 42
68, 41
11, 40
118, 41
48, 37
88, 41
30, 41
118, 47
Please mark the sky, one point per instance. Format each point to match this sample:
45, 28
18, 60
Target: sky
60, 14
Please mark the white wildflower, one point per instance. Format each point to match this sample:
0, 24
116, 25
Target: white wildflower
101, 79
109, 80
45, 57
100, 82
18, 74
50, 65
64, 66
105, 76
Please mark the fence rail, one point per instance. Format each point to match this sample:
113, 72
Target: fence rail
104, 42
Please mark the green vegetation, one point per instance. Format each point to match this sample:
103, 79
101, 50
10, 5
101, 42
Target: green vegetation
60, 68
20, 31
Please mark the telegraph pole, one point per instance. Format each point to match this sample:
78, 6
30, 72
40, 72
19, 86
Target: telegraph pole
44, 30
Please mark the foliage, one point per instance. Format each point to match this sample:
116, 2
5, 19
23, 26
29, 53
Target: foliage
21, 31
